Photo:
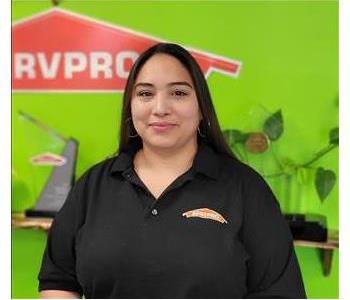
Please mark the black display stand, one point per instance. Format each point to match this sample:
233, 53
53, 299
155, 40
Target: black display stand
61, 180
309, 227
58, 185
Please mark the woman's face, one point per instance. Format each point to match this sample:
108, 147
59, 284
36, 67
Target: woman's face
164, 105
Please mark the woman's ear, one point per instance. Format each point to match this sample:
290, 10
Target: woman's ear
200, 116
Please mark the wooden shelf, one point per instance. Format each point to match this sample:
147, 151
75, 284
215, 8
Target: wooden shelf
325, 249
19, 220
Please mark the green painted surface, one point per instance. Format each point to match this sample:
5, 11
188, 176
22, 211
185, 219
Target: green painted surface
289, 51
27, 250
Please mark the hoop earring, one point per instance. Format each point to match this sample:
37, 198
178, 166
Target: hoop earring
126, 122
199, 132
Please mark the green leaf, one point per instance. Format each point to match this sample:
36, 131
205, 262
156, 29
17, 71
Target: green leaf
334, 136
324, 181
234, 136
273, 126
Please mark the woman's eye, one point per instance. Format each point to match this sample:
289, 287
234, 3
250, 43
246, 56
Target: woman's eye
144, 94
179, 93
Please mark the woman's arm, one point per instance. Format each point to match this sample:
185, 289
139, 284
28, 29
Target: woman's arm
58, 268
59, 294
273, 268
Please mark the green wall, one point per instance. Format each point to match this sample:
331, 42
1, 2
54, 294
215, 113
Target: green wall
289, 51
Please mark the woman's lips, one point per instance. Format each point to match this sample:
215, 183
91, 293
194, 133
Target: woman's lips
162, 127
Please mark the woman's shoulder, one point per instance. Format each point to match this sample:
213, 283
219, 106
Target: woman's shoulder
233, 168
252, 186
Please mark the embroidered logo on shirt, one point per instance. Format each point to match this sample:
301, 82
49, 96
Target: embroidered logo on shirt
205, 213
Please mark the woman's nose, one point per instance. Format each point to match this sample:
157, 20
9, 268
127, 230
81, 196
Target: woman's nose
161, 105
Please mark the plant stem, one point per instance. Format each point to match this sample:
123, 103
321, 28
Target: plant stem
275, 157
275, 174
319, 154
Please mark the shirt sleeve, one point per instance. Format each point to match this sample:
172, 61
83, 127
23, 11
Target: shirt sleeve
58, 264
273, 269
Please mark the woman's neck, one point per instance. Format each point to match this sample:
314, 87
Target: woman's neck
172, 160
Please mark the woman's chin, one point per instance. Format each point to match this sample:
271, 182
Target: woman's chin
161, 142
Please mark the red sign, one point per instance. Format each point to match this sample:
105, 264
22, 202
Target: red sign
62, 51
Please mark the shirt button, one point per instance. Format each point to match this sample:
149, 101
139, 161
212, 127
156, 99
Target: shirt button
154, 212
128, 175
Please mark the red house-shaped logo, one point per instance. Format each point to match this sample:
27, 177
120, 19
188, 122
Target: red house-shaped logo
62, 51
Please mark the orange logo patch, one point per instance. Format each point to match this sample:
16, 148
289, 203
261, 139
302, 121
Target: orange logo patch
205, 213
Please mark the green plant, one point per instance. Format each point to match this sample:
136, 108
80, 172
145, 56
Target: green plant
273, 127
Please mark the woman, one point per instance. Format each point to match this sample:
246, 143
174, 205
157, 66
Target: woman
174, 215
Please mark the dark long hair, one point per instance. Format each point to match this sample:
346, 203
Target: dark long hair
209, 125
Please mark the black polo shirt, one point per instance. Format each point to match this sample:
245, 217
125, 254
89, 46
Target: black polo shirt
215, 232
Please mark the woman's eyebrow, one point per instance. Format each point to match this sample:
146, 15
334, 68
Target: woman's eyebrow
180, 83
147, 84
143, 84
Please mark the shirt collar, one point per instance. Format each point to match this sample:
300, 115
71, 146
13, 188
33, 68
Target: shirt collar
205, 161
